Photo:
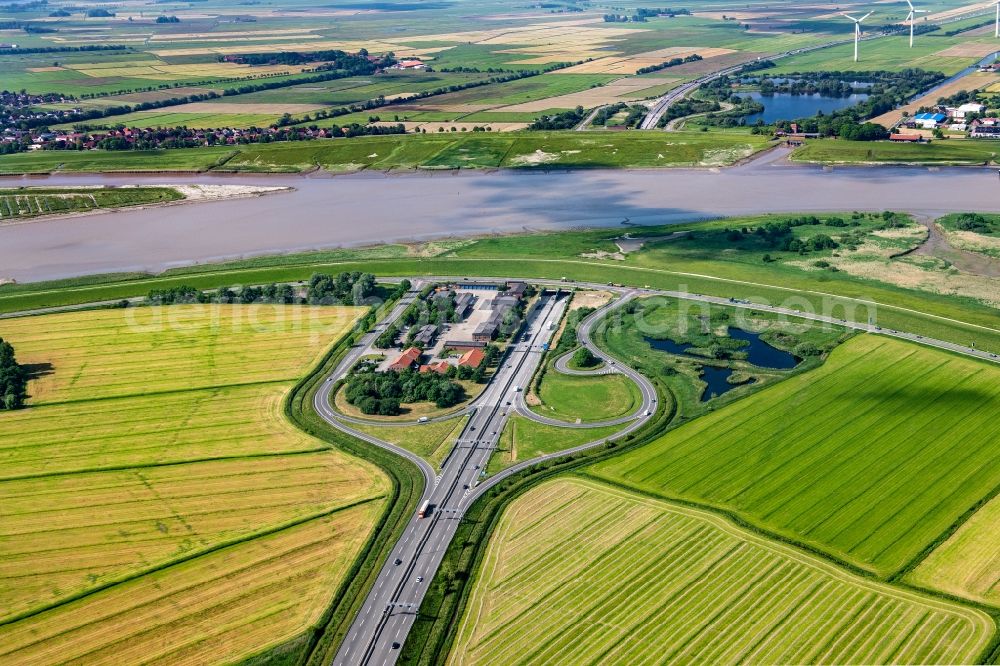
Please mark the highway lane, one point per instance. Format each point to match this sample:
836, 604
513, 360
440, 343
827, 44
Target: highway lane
389, 611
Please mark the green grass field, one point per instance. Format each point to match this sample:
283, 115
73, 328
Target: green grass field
46, 161
871, 457
886, 53
571, 398
523, 439
154, 475
938, 151
649, 582
23, 203
431, 441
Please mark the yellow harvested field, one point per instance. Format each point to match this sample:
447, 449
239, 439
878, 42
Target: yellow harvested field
304, 33
650, 582
958, 11
968, 564
162, 71
170, 428
615, 91
968, 50
629, 64
237, 108
972, 81
66, 535
373, 46
154, 437
219, 608
109, 353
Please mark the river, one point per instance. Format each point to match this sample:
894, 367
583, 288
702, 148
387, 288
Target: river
366, 208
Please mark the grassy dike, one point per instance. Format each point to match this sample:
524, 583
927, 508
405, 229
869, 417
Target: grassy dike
320, 643
931, 315
435, 628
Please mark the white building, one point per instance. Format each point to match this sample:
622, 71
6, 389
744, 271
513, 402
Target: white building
962, 112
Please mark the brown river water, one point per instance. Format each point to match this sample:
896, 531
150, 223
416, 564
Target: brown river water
361, 209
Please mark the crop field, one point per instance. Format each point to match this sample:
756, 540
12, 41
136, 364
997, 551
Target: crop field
650, 582
929, 52
569, 397
198, 120
23, 203
967, 564
523, 439
154, 476
869, 458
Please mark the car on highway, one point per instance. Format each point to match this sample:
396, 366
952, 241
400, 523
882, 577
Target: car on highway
420, 579
395, 645
398, 562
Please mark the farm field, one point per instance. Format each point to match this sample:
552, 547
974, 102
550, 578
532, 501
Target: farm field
902, 433
573, 397
24, 203
967, 564
931, 52
154, 467
647, 581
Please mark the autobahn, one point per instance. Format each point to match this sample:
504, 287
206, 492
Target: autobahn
390, 609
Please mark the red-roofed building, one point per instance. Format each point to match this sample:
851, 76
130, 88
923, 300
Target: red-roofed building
411, 64
406, 360
472, 358
440, 367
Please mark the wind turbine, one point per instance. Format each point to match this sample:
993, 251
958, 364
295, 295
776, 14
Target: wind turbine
996, 32
857, 29
914, 12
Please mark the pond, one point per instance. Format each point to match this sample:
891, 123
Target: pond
762, 354
759, 353
717, 380
786, 106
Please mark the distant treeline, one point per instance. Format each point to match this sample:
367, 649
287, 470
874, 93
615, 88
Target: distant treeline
642, 14
673, 62
357, 64
63, 49
15, 7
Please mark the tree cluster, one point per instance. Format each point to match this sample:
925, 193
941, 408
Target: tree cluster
976, 223
382, 393
560, 121
584, 358
342, 289
13, 378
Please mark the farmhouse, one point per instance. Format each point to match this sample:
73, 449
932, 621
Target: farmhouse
472, 358
410, 64
440, 367
406, 360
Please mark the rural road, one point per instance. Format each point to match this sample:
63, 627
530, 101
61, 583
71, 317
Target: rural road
370, 208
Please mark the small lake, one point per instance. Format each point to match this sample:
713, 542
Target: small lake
762, 354
786, 106
717, 380
759, 353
